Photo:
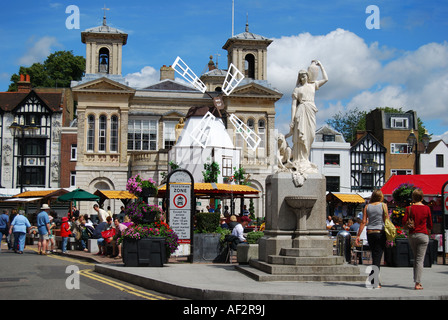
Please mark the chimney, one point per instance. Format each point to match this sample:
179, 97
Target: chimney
24, 85
166, 73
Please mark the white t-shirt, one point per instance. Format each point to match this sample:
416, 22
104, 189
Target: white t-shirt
102, 215
238, 232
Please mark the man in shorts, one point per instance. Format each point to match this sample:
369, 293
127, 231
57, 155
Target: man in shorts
43, 227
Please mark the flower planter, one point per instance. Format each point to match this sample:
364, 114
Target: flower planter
401, 254
148, 192
147, 252
207, 247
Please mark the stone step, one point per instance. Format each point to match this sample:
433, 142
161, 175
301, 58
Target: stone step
327, 270
306, 261
305, 252
262, 276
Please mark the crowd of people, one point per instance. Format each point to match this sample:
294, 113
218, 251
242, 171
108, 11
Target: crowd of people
15, 226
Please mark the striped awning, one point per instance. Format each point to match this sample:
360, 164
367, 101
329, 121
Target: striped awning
217, 189
345, 197
42, 193
115, 194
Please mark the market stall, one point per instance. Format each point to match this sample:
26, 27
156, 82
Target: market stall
124, 196
344, 205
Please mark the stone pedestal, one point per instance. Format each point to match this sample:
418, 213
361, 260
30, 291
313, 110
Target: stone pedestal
296, 245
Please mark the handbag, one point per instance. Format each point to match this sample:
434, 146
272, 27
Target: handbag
410, 222
107, 234
389, 227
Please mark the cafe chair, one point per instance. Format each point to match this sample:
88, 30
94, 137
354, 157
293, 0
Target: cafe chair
232, 243
358, 252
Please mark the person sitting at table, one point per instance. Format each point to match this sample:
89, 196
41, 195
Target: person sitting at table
337, 223
223, 224
238, 231
233, 222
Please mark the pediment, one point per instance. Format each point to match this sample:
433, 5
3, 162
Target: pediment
103, 85
256, 90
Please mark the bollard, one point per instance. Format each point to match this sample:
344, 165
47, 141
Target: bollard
343, 245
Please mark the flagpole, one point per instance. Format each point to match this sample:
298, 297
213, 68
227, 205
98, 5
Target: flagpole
233, 18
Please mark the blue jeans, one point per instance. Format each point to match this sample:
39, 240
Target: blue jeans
64, 244
19, 241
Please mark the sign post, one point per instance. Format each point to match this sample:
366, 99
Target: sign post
444, 218
181, 206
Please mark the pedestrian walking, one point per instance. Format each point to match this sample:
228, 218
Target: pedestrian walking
419, 235
19, 226
65, 233
373, 218
4, 228
43, 227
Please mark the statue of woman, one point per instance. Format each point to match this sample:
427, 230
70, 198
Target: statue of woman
303, 112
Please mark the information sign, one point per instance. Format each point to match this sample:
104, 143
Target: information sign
181, 203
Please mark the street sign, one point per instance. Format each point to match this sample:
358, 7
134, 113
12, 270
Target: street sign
181, 204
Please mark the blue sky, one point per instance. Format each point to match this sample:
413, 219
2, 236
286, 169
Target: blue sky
403, 64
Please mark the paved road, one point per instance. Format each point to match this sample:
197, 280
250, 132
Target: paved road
29, 276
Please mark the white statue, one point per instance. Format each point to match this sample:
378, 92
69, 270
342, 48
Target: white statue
283, 153
303, 118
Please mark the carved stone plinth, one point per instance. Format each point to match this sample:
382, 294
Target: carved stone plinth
296, 245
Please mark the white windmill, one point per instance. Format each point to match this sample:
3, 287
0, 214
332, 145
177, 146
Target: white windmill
201, 132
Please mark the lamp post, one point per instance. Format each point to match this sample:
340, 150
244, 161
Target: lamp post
18, 132
412, 141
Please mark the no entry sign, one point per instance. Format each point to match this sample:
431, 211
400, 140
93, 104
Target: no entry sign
180, 204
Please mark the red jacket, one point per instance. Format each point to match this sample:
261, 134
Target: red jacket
65, 229
422, 218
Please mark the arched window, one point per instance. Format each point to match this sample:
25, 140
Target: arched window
249, 66
114, 134
262, 133
102, 134
103, 63
251, 123
91, 133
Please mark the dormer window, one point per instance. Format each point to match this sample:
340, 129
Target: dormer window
399, 123
328, 137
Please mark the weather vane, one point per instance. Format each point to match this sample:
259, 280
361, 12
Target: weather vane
104, 17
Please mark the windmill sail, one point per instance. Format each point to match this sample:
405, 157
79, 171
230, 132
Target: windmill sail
184, 70
233, 79
251, 138
201, 132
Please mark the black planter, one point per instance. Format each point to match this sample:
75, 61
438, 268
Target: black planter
207, 247
401, 254
148, 252
147, 192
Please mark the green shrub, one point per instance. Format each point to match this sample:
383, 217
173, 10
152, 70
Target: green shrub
207, 222
254, 236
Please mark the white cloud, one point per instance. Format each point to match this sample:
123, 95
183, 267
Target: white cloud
363, 76
146, 77
39, 51
443, 137
351, 65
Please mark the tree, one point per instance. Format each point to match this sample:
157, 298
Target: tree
58, 70
348, 123
211, 172
353, 120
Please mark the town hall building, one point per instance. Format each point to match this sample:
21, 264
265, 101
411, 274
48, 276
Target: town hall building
123, 131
